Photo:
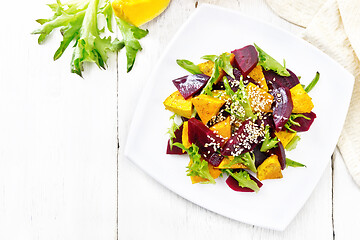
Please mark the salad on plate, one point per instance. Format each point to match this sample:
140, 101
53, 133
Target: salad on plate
237, 114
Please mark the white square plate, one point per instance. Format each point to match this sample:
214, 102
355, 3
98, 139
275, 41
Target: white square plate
214, 30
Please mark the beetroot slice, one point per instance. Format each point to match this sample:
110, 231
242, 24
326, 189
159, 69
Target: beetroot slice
191, 84
207, 141
241, 142
246, 59
177, 139
304, 123
274, 80
280, 152
259, 156
234, 185
282, 107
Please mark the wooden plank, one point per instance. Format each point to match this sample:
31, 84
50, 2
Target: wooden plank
346, 202
58, 137
146, 208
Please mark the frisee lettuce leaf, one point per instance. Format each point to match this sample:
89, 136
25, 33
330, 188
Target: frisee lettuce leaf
78, 23
239, 98
224, 64
189, 66
131, 36
248, 159
243, 179
198, 166
293, 143
171, 130
313, 82
269, 63
268, 142
214, 76
291, 163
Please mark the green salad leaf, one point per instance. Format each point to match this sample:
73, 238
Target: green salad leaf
291, 121
189, 66
313, 82
292, 163
131, 36
269, 63
214, 76
248, 159
244, 180
198, 166
240, 104
268, 142
171, 130
78, 23
224, 64
293, 143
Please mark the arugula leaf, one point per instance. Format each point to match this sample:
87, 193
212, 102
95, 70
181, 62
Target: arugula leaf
131, 34
243, 179
189, 66
291, 121
268, 142
293, 143
269, 63
198, 166
210, 57
292, 163
240, 103
248, 159
171, 130
313, 83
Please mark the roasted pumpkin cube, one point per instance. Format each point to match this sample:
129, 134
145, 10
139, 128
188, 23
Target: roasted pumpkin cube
177, 104
223, 128
269, 169
260, 100
226, 161
185, 135
301, 100
214, 172
285, 137
258, 75
207, 106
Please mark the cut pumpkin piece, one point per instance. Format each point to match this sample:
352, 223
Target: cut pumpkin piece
260, 100
185, 135
285, 137
177, 104
269, 169
226, 161
301, 100
214, 172
223, 128
207, 106
221, 94
258, 75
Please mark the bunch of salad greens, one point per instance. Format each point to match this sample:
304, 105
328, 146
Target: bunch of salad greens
78, 23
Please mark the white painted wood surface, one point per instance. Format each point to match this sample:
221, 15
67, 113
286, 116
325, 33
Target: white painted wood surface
59, 157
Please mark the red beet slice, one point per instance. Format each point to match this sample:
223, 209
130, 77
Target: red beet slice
275, 81
304, 123
234, 185
282, 107
246, 59
177, 139
191, 84
280, 152
207, 141
243, 140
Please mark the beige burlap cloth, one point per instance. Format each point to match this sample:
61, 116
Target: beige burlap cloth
334, 27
